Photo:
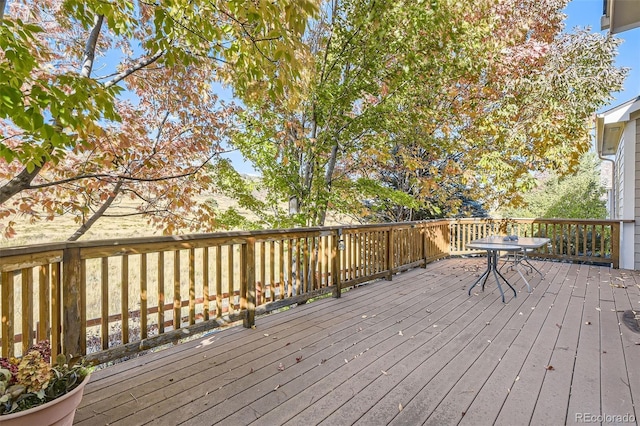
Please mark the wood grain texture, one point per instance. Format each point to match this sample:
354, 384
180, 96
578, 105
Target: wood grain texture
416, 350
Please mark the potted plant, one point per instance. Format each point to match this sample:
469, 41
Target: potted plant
35, 392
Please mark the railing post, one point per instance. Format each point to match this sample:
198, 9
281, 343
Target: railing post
615, 244
335, 264
390, 254
248, 281
71, 302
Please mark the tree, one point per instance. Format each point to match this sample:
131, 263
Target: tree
578, 195
424, 105
524, 106
70, 141
368, 55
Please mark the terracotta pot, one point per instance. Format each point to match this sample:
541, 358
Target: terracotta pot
59, 412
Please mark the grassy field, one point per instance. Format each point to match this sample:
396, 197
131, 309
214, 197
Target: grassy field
63, 227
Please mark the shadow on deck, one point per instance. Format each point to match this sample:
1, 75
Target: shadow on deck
416, 350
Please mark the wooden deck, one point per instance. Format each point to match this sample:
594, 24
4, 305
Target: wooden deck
415, 350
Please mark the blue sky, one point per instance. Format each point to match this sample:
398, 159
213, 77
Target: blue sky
587, 13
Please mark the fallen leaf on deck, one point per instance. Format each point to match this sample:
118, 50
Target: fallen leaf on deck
517, 378
298, 359
281, 367
399, 407
588, 323
345, 361
384, 372
558, 325
251, 371
598, 309
322, 361
400, 333
618, 278
266, 334
364, 316
276, 388
288, 343
550, 367
618, 285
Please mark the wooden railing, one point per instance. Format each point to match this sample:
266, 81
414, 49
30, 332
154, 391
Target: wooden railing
113, 298
577, 240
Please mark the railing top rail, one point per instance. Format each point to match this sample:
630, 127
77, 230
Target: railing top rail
540, 220
106, 247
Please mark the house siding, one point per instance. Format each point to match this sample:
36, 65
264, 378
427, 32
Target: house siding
619, 178
636, 124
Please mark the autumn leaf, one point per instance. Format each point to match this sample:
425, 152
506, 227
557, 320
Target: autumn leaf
549, 367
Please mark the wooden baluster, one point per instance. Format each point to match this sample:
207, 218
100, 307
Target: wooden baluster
230, 279
161, 296
281, 265
143, 296
219, 281
104, 302
272, 272
27, 308
205, 284
44, 322
192, 286
177, 297
335, 264
248, 282
124, 298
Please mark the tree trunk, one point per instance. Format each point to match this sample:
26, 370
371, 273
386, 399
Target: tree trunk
328, 179
19, 183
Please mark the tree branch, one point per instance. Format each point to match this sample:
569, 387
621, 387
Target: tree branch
116, 177
98, 213
141, 64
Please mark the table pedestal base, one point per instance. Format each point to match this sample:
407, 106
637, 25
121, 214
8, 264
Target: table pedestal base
492, 263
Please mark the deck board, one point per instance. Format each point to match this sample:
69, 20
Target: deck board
415, 350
